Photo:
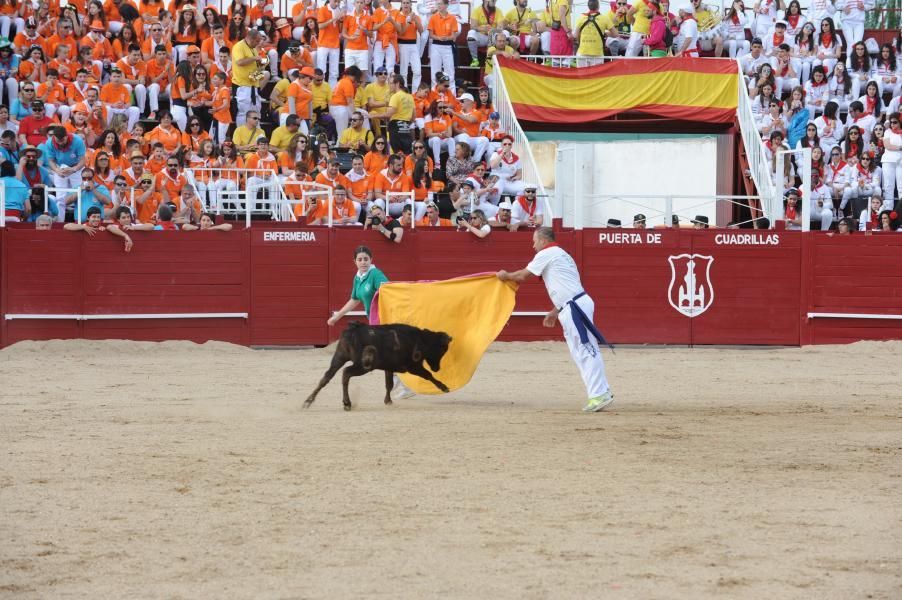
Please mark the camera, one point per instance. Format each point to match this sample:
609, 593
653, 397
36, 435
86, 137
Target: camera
374, 220
461, 219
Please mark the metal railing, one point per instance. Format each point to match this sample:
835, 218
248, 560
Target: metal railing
511, 125
660, 210
234, 191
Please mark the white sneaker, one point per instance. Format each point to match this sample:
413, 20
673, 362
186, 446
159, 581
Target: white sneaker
402, 392
599, 403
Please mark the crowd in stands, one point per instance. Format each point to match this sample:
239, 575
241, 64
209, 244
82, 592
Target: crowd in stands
167, 108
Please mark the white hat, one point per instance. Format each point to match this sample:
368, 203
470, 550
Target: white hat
504, 205
466, 97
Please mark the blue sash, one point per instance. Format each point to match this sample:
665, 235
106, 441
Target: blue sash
584, 324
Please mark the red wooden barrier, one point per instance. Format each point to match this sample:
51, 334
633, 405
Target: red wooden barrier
743, 288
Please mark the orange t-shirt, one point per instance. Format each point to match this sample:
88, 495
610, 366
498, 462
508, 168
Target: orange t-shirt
374, 162
386, 34
112, 93
131, 72
437, 125
147, 48
154, 164
172, 186
403, 183
148, 209
360, 187
289, 62
424, 222
303, 100
344, 92
26, 69
267, 163
23, 42
354, 24
471, 129
193, 142
346, 209
410, 163
222, 98
209, 50
154, 69
52, 95
328, 35
443, 26
410, 34
65, 68
111, 10
340, 179
185, 36
70, 41
170, 139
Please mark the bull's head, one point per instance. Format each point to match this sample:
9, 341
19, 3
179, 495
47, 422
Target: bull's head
435, 351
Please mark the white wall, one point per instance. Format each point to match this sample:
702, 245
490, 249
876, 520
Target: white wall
593, 171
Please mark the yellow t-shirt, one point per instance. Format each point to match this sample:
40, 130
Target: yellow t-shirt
243, 135
478, 18
350, 137
590, 42
403, 102
554, 7
281, 88
378, 93
322, 93
492, 51
641, 23
520, 23
280, 137
241, 75
705, 20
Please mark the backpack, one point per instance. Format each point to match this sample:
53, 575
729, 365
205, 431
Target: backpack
668, 37
590, 19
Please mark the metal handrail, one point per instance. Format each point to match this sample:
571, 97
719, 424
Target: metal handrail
667, 213
511, 125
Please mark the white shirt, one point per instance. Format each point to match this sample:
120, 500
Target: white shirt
891, 156
521, 215
749, 63
688, 31
559, 273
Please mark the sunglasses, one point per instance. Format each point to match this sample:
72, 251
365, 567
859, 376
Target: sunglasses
894, 122
380, 143
172, 166
194, 124
120, 184
834, 154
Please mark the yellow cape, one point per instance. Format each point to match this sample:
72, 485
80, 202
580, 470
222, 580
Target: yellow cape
472, 310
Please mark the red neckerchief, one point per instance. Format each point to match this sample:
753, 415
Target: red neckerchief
896, 130
778, 38
837, 168
514, 158
525, 205
864, 172
735, 18
793, 20
790, 213
167, 225
818, 168
871, 103
551, 245
853, 148
826, 40
873, 219
816, 84
785, 69
33, 179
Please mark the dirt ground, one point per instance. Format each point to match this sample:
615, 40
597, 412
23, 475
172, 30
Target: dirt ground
137, 470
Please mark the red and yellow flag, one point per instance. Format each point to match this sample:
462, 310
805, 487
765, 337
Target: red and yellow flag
688, 89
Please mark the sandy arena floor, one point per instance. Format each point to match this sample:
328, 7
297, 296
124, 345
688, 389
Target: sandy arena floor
133, 470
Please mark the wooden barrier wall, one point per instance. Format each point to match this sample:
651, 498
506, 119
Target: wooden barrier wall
746, 288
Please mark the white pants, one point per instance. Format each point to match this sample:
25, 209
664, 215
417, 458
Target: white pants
267, 185
823, 214
180, 116
888, 87
865, 193
634, 46
361, 58
422, 42
545, 42
218, 131
475, 41
153, 93
890, 180
12, 89
737, 47
131, 112
63, 110
410, 58
342, 116
853, 32
209, 192
246, 102
395, 208
785, 84
505, 186
441, 58
586, 356
384, 57
437, 143
477, 144
328, 57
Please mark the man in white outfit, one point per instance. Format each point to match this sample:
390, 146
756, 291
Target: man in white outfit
575, 309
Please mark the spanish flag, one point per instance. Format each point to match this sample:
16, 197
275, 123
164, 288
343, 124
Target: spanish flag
472, 310
688, 89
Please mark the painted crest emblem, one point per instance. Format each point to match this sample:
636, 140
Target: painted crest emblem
691, 292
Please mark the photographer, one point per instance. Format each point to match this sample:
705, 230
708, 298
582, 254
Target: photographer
477, 225
387, 226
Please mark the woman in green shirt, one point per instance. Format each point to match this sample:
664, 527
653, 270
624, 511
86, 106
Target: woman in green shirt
366, 283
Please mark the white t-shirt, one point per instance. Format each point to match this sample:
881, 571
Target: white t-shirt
891, 156
688, 31
521, 215
558, 270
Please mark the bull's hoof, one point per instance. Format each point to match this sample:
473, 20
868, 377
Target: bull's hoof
347, 406
307, 403
388, 402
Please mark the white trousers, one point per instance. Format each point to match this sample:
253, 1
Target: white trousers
132, 113
441, 58
328, 57
410, 58
634, 46
890, 180
245, 101
853, 32
586, 356
361, 58
437, 143
384, 57
153, 93
478, 144
342, 116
